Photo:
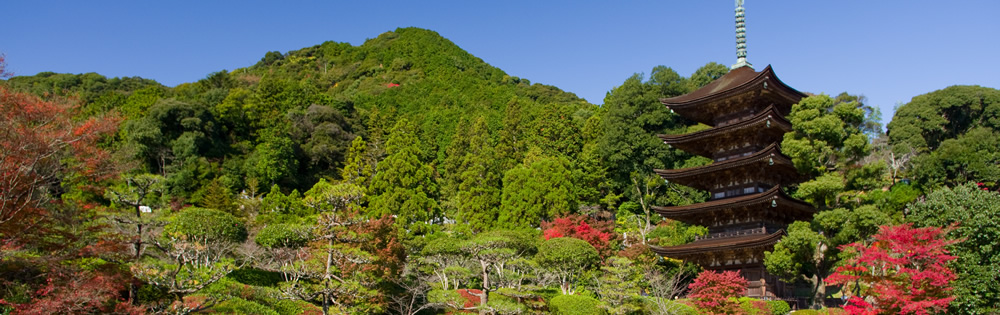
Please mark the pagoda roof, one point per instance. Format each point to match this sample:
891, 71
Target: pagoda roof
785, 209
706, 142
717, 245
779, 168
735, 84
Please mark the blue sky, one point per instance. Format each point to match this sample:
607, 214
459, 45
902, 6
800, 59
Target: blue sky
888, 51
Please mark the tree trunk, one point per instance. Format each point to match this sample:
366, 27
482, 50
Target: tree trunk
819, 291
483, 299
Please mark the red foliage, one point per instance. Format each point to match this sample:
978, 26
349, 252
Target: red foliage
598, 233
904, 270
80, 293
471, 297
391, 85
384, 244
40, 145
711, 291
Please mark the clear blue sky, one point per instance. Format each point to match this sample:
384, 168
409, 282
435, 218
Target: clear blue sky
888, 51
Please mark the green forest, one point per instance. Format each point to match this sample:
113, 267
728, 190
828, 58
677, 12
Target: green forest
407, 176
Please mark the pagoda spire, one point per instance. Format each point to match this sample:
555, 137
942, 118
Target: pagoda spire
741, 38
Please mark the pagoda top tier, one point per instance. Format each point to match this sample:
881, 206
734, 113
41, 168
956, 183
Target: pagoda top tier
740, 91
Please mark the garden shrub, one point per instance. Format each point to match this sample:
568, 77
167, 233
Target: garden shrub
207, 224
282, 236
779, 307
575, 305
241, 306
751, 306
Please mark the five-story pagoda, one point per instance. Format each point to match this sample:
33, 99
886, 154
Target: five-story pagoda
747, 211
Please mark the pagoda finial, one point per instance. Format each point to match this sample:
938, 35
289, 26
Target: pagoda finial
741, 38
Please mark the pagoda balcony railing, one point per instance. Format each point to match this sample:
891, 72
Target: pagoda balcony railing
753, 231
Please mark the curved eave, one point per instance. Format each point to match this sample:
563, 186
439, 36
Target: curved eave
734, 83
703, 213
719, 244
694, 142
770, 155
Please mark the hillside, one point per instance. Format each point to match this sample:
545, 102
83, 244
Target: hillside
320, 97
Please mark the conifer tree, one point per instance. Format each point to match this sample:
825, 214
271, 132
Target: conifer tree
358, 165
218, 197
479, 186
451, 169
403, 185
511, 146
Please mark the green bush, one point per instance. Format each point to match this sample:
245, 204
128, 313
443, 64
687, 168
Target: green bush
806, 312
207, 224
751, 306
256, 277
650, 306
779, 307
241, 306
575, 305
283, 236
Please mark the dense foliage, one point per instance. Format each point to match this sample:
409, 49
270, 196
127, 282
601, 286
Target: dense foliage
903, 271
405, 175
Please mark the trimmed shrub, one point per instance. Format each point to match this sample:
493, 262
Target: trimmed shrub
751, 306
207, 224
678, 307
575, 305
241, 306
256, 277
779, 307
283, 236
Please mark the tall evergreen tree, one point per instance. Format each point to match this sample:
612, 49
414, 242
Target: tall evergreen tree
511, 146
403, 185
538, 191
479, 186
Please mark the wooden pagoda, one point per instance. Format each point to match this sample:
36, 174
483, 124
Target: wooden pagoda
747, 212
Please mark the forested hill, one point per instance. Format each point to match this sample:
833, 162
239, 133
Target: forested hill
319, 97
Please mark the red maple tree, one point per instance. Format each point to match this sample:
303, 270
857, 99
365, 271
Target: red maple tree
596, 232
903, 271
40, 143
711, 291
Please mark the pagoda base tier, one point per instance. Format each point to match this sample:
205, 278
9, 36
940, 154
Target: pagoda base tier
744, 253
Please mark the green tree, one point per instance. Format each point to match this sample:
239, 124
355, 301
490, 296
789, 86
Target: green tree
195, 248
930, 119
566, 258
633, 117
273, 158
479, 187
218, 197
403, 185
358, 166
620, 285
978, 264
532, 193
493, 250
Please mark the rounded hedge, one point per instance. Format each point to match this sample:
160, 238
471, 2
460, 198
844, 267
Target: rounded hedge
207, 224
566, 252
779, 307
282, 236
575, 304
